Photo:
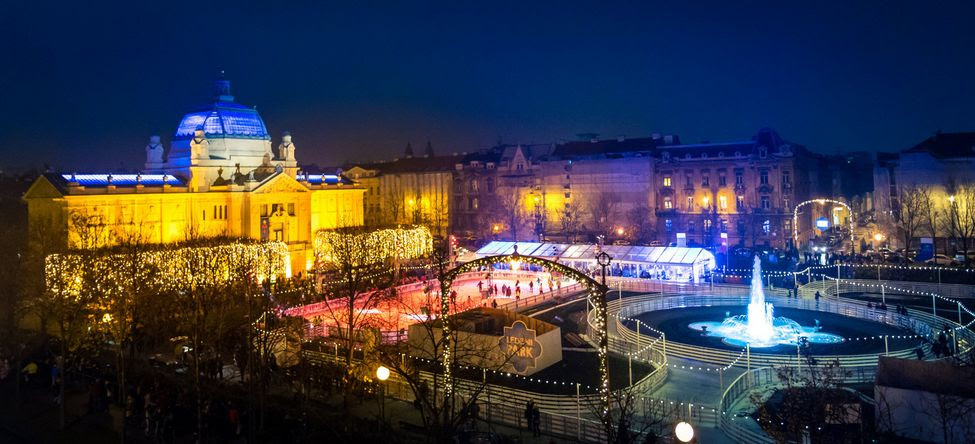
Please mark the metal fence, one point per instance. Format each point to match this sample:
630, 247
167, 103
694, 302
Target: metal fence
743, 428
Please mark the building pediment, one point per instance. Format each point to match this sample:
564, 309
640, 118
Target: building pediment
42, 188
280, 183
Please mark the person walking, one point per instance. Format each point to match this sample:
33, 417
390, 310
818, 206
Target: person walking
536, 422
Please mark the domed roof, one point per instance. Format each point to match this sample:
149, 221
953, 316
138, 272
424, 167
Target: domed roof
224, 118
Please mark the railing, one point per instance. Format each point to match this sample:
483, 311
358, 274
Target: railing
563, 415
921, 321
722, 357
737, 428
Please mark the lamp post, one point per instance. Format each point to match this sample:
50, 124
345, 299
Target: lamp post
603, 260
382, 374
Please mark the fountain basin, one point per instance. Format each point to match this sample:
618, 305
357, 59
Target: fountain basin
676, 324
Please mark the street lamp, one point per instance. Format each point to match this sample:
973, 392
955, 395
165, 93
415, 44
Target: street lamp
878, 237
382, 374
620, 231
684, 432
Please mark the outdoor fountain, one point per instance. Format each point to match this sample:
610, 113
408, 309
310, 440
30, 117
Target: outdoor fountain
759, 327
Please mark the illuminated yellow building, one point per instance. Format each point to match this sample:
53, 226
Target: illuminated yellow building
410, 190
219, 177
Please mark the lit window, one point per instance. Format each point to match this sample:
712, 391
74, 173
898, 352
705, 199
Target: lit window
766, 226
668, 204
707, 224
690, 203
666, 181
669, 225
723, 202
740, 203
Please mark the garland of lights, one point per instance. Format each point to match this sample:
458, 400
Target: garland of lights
167, 269
597, 294
377, 245
795, 217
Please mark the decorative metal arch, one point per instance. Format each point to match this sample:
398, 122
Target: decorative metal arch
795, 219
596, 299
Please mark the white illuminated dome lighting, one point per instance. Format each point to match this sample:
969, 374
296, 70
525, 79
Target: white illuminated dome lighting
684, 432
382, 373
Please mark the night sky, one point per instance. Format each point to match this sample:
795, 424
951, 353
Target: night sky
83, 84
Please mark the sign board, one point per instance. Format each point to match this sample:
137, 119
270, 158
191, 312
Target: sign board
822, 223
681, 239
520, 343
926, 251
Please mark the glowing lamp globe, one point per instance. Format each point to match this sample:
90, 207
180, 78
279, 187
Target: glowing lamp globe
684, 432
382, 373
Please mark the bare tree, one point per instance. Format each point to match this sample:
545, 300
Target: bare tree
357, 279
70, 303
569, 222
811, 398
602, 207
417, 362
958, 218
639, 218
393, 202
912, 213
633, 418
512, 207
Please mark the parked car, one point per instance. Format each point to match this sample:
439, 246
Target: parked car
941, 259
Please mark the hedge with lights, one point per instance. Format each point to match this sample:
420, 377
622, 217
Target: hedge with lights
377, 245
168, 268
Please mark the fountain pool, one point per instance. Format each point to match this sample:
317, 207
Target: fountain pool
759, 327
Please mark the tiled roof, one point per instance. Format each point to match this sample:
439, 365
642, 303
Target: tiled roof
414, 164
947, 145
602, 147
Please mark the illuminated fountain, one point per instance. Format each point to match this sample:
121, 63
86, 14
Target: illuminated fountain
759, 328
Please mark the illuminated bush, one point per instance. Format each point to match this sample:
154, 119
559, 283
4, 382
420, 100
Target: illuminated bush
171, 267
372, 246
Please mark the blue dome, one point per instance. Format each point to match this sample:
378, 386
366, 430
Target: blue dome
224, 118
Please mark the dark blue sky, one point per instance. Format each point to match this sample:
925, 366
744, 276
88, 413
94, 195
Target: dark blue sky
83, 85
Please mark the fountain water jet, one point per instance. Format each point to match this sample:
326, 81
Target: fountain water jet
758, 327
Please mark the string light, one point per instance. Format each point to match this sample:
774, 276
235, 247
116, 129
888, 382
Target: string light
172, 268
375, 246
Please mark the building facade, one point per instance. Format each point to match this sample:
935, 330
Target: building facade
407, 191
940, 167
219, 177
650, 190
